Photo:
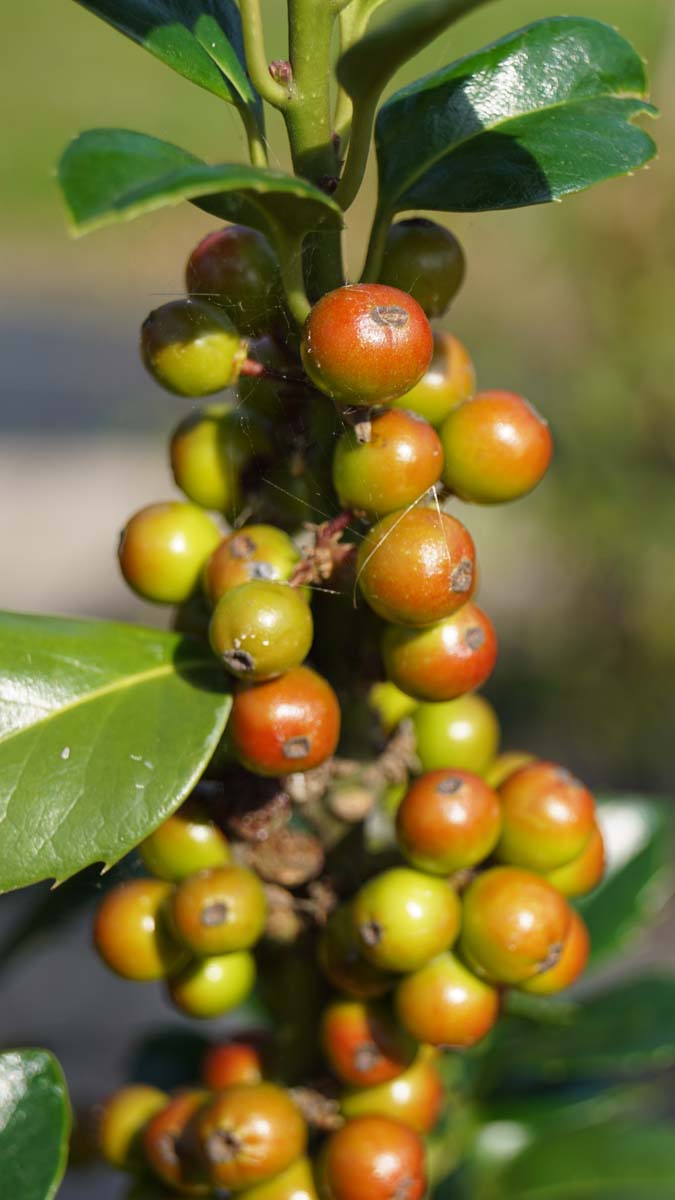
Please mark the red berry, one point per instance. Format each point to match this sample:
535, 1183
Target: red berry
250, 1132
286, 725
399, 462
130, 932
366, 344
497, 448
445, 1004
415, 1097
374, 1157
442, 661
549, 817
362, 1043
449, 379
236, 268
447, 821
426, 260
232, 1062
584, 872
166, 1144
570, 965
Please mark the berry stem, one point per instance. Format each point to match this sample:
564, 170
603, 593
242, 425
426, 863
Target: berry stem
352, 23
257, 62
376, 245
257, 148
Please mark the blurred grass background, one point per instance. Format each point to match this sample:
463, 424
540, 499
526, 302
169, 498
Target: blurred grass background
572, 304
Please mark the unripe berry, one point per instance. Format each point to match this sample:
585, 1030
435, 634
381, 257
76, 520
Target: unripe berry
549, 817
237, 1061
262, 396
514, 925
366, 344
237, 269
497, 448
210, 987
416, 567
165, 1148
405, 917
448, 821
505, 765
208, 450
399, 463
186, 842
442, 661
570, 965
426, 260
375, 1157
130, 933
121, 1123
415, 1097
343, 962
449, 379
362, 1043
259, 630
462, 733
254, 552
445, 1004
218, 911
163, 549
584, 872
391, 704
192, 348
286, 725
249, 1133
295, 1183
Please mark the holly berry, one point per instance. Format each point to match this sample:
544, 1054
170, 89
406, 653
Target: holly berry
209, 987
388, 468
163, 549
130, 932
425, 260
549, 817
217, 911
514, 925
286, 725
166, 1144
254, 552
366, 344
373, 1156
121, 1123
249, 1133
362, 1043
415, 1097
448, 821
404, 918
462, 733
505, 765
192, 348
238, 1061
570, 965
186, 842
391, 704
497, 448
584, 872
449, 379
209, 450
343, 962
442, 661
237, 269
416, 567
259, 630
445, 1004
295, 1183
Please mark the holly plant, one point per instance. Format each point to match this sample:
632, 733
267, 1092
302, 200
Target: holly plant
325, 838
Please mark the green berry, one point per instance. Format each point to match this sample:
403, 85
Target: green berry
259, 630
192, 348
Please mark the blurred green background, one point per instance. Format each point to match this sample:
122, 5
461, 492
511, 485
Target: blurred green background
572, 304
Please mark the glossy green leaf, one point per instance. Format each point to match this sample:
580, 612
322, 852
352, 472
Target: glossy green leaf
34, 1125
544, 112
110, 175
200, 39
104, 729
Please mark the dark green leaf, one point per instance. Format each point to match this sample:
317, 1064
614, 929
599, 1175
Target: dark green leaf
34, 1124
104, 729
200, 39
622, 1162
544, 112
110, 175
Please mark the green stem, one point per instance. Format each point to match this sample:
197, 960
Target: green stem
359, 149
378, 237
257, 62
352, 23
289, 250
257, 149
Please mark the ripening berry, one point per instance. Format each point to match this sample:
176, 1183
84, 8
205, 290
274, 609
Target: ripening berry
163, 549
249, 1133
445, 1004
217, 911
462, 733
584, 872
343, 962
514, 925
416, 567
192, 348
405, 917
442, 661
295, 1183
238, 1061
362, 1043
399, 463
130, 932
570, 965
121, 1123
259, 630
187, 841
391, 704
415, 1097
448, 821
549, 817
505, 765
285, 725
374, 1157
497, 448
366, 344
164, 1144
449, 379
425, 260
237, 269
210, 987
254, 552
208, 451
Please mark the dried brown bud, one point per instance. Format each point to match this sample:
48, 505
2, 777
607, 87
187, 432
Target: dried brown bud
320, 1111
289, 857
284, 922
252, 808
350, 802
